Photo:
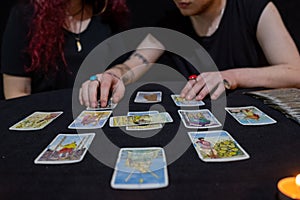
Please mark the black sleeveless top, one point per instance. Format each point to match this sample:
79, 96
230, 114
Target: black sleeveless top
234, 43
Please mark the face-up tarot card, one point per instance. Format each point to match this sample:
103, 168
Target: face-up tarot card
250, 115
35, 121
140, 168
179, 101
90, 120
198, 119
134, 120
66, 148
217, 146
143, 127
148, 97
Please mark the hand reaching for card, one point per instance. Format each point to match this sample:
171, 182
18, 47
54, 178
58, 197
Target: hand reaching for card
198, 87
106, 84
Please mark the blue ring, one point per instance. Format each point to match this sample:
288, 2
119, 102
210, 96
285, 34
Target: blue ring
93, 78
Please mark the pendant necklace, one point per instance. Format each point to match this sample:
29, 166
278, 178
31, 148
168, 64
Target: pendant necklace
77, 37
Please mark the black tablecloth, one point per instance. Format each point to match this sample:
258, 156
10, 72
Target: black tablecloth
273, 149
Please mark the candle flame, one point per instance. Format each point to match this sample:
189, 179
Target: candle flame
298, 180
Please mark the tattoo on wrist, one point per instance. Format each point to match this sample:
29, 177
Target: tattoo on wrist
141, 57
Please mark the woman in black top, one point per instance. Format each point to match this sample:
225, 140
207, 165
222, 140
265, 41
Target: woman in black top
247, 40
45, 41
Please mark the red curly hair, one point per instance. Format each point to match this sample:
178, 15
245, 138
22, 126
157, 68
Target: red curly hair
46, 36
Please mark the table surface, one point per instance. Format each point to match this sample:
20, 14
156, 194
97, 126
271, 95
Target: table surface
273, 150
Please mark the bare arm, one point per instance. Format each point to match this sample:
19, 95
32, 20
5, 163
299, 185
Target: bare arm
115, 78
15, 86
280, 51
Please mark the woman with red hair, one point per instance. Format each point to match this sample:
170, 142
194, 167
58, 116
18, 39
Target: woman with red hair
45, 41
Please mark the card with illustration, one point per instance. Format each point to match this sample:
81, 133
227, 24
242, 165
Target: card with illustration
110, 106
146, 126
35, 121
198, 119
217, 146
140, 168
179, 101
90, 120
134, 120
250, 115
148, 97
66, 148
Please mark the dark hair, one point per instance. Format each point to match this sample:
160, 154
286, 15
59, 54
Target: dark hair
46, 35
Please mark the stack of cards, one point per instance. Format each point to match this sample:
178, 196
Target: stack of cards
148, 97
179, 101
217, 146
90, 120
140, 168
146, 126
35, 121
250, 115
198, 119
66, 148
144, 119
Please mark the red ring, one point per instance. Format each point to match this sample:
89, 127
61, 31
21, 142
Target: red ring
193, 77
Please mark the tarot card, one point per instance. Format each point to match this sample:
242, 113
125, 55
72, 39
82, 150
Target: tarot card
134, 120
140, 168
198, 119
217, 146
148, 97
179, 101
143, 127
250, 115
110, 106
90, 120
35, 121
66, 148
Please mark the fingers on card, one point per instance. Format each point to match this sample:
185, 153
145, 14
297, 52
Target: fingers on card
134, 120
217, 146
148, 97
90, 120
65, 149
198, 119
110, 106
146, 126
140, 168
250, 115
179, 101
35, 121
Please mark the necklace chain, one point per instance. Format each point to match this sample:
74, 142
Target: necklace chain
77, 37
